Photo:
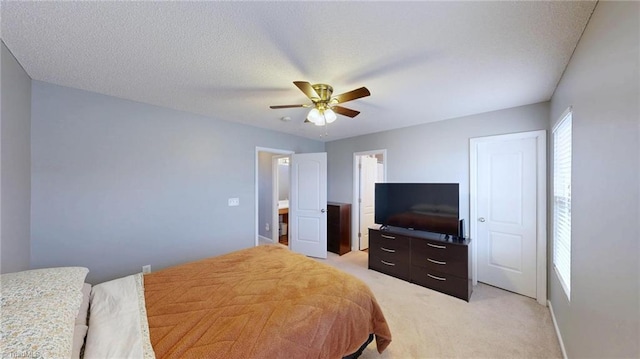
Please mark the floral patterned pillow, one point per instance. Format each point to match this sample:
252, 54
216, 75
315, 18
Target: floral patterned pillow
15, 287
38, 309
39, 327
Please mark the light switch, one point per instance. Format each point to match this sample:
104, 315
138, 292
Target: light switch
234, 202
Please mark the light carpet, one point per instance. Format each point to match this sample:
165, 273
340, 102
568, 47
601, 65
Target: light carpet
428, 324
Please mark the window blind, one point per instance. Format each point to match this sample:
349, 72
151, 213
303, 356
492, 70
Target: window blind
562, 201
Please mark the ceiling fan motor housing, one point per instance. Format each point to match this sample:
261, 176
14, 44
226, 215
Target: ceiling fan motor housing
324, 91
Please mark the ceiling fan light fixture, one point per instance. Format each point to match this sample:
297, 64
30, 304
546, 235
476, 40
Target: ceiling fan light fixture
329, 115
320, 121
314, 116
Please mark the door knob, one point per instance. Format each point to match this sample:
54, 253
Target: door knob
481, 219
322, 210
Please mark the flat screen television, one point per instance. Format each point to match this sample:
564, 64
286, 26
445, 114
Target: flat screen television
432, 207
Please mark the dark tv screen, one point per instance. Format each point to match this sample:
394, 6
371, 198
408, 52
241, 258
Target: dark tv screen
432, 207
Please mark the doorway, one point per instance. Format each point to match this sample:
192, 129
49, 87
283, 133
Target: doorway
266, 198
280, 197
307, 229
508, 212
369, 168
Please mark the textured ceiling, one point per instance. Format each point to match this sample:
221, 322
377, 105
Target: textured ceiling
422, 61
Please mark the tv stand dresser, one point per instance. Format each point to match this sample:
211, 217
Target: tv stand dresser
424, 258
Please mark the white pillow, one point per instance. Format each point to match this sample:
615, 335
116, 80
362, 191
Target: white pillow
37, 282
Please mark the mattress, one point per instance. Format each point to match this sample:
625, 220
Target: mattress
261, 302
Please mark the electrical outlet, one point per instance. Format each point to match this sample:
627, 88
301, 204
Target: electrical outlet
234, 202
146, 269
267, 227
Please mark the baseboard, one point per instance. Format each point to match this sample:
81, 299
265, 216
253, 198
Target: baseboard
555, 325
266, 239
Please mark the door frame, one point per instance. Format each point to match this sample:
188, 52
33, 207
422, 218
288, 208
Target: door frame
541, 204
275, 151
355, 208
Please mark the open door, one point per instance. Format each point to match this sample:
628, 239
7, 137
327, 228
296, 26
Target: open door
308, 204
368, 169
368, 179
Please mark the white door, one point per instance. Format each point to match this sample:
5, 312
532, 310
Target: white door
507, 213
368, 177
308, 204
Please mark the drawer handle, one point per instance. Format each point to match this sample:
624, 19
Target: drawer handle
388, 250
436, 262
437, 278
387, 263
436, 246
387, 237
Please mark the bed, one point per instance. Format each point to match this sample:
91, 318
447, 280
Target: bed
261, 302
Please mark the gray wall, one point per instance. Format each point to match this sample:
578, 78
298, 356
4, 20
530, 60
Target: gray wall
433, 152
601, 83
15, 164
265, 193
283, 182
118, 184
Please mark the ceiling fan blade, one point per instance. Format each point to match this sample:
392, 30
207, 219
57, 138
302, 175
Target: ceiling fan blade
307, 89
345, 111
287, 106
351, 95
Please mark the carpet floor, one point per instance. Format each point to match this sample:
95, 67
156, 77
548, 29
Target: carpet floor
428, 324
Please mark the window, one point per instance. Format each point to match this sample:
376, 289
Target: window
562, 201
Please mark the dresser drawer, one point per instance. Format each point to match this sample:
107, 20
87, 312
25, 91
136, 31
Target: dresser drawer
442, 282
423, 259
442, 257
391, 264
439, 250
390, 255
397, 243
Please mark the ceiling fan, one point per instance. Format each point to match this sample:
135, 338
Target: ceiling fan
324, 105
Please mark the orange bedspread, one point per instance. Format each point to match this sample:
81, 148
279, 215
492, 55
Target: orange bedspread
261, 302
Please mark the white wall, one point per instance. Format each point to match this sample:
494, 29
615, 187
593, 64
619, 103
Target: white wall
118, 184
15, 164
433, 152
601, 82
